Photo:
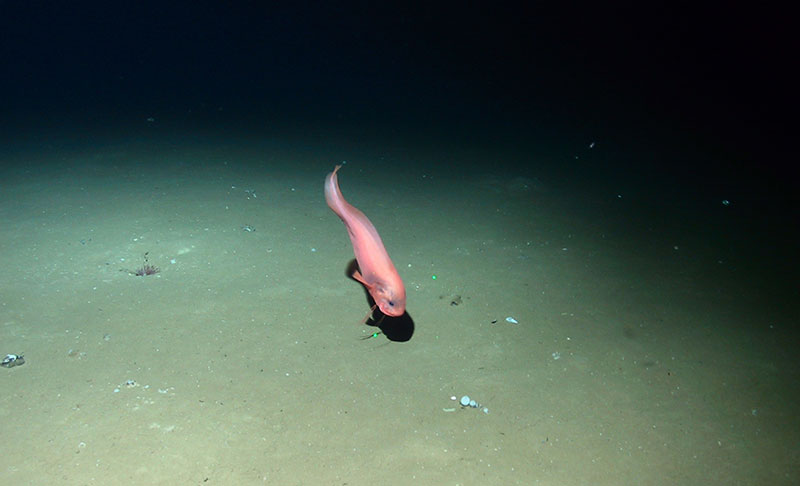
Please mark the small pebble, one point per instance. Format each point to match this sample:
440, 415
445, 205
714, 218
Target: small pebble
512, 320
465, 401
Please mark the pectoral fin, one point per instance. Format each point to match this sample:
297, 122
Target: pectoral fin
357, 275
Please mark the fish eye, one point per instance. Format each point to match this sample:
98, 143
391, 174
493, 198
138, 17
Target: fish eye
390, 302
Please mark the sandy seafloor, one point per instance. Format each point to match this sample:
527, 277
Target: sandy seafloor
646, 352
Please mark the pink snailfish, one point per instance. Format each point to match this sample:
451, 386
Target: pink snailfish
377, 272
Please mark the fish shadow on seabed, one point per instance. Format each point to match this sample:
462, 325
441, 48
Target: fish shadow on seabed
398, 329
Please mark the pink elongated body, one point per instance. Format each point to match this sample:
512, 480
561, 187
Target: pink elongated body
378, 273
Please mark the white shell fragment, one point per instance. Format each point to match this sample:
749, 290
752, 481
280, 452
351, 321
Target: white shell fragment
467, 402
12, 360
512, 320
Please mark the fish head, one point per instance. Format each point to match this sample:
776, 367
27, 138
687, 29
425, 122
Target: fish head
390, 300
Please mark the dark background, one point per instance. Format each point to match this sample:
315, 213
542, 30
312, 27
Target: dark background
694, 94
